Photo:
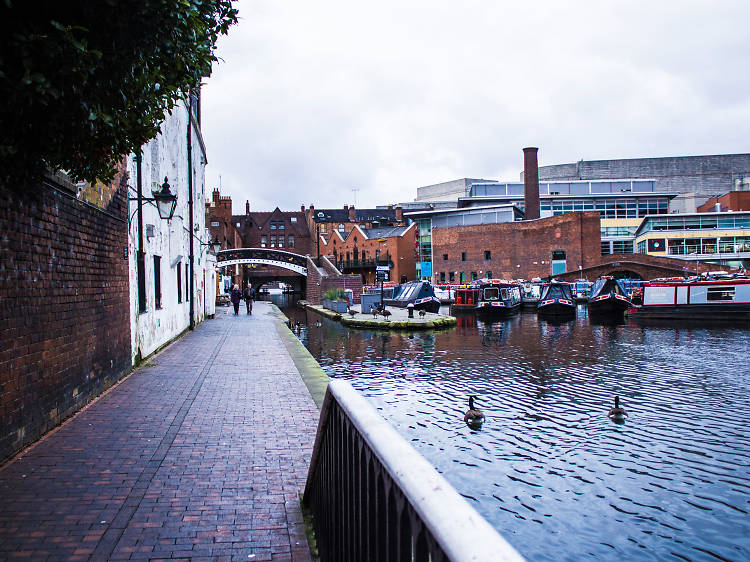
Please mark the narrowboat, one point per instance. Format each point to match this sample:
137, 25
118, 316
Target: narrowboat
556, 300
581, 290
716, 297
530, 291
419, 293
498, 297
467, 297
608, 298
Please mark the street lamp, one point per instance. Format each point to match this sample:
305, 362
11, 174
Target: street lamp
166, 201
214, 246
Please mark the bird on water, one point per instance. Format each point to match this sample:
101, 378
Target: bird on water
617, 413
474, 417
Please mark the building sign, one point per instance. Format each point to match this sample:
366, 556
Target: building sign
656, 244
382, 268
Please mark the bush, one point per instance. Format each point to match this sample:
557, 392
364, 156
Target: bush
335, 294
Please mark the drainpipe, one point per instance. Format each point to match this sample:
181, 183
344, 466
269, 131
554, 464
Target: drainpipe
140, 257
191, 255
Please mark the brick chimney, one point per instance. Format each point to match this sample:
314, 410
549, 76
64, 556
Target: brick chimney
352, 215
531, 183
399, 213
216, 196
247, 207
302, 208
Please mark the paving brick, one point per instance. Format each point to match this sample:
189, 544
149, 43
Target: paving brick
203, 454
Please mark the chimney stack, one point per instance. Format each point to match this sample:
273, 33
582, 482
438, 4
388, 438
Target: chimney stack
531, 183
302, 208
247, 207
399, 214
352, 216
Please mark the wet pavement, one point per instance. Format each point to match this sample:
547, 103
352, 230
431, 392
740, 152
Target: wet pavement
200, 454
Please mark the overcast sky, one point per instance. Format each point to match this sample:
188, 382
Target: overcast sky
316, 98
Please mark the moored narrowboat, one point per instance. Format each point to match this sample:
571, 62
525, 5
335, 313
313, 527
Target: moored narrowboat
714, 297
419, 293
498, 297
608, 298
556, 300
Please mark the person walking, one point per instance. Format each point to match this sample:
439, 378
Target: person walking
247, 294
236, 297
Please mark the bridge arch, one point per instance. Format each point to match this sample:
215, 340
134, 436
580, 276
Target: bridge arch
266, 256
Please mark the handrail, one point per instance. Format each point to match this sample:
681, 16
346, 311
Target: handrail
373, 497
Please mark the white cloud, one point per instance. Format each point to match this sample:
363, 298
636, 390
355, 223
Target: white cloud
314, 99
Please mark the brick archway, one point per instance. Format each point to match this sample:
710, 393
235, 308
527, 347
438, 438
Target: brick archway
644, 266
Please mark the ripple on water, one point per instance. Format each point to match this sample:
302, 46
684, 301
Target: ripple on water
672, 481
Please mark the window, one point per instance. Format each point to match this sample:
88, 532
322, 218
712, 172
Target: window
720, 294
487, 255
157, 281
273, 240
187, 281
442, 276
451, 277
292, 219
238, 225
179, 284
642, 247
263, 240
291, 240
558, 254
445, 256
462, 277
280, 225
214, 223
141, 265
273, 225
341, 228
622, 247
473, 275
463, 257
489, 275
606, 249
281, 240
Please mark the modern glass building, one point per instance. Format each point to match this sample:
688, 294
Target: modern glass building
721, 238
621, 203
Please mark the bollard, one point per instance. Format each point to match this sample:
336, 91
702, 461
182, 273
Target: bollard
410, 310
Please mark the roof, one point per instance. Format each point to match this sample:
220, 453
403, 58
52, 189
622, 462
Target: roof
432, 212
385, 232
360, 215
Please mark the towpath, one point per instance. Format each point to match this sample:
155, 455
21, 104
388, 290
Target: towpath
200, 454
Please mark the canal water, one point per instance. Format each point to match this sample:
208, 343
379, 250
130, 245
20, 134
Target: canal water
549, 469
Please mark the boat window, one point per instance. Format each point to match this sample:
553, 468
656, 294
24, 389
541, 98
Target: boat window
720, 294
504, 294
491, 293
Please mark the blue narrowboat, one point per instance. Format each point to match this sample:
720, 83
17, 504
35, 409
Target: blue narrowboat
556, 300
608, 298
498, 297
419, 293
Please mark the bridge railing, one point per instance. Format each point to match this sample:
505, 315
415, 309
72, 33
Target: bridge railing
373, 497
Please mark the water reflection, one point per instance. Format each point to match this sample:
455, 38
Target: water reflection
549, 469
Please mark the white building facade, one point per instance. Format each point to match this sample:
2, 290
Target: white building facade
173, 284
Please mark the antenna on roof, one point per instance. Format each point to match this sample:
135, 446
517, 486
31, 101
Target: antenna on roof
355, 190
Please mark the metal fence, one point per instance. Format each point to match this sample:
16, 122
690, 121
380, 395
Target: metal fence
374, 498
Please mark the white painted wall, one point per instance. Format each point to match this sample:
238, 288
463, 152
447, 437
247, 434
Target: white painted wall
166, 156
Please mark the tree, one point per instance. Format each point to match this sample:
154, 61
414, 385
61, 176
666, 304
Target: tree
83, 84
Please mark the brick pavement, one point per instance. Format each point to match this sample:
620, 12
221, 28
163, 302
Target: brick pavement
201, 454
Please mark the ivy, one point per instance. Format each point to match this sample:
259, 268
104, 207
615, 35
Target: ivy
83, 84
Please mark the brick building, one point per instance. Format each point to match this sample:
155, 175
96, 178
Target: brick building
513, 250
360, 250
323, 222
64, 302
732, 201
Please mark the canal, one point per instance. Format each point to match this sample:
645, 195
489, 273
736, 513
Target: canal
549, 469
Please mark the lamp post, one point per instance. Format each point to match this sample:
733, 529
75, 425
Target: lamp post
165, 204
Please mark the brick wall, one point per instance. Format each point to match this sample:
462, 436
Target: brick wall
319, 281
517, 249
64, 306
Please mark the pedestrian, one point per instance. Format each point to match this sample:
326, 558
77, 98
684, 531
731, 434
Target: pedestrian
247, 294
236, 297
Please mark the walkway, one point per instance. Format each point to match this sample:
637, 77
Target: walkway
201, 454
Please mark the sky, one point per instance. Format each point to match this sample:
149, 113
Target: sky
338, 102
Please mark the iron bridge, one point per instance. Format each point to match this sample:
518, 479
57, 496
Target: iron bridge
266, 256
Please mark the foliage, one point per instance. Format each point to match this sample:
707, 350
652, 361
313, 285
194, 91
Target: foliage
85, 83
334, 294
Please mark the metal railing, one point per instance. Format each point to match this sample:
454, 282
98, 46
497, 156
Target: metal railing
373, 497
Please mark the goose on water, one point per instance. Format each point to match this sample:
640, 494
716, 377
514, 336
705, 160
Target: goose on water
474, 417
617, 413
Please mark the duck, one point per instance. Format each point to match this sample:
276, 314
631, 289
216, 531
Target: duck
374, 312
422, 312
386, 314
474, 417
352, 312
617, 413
